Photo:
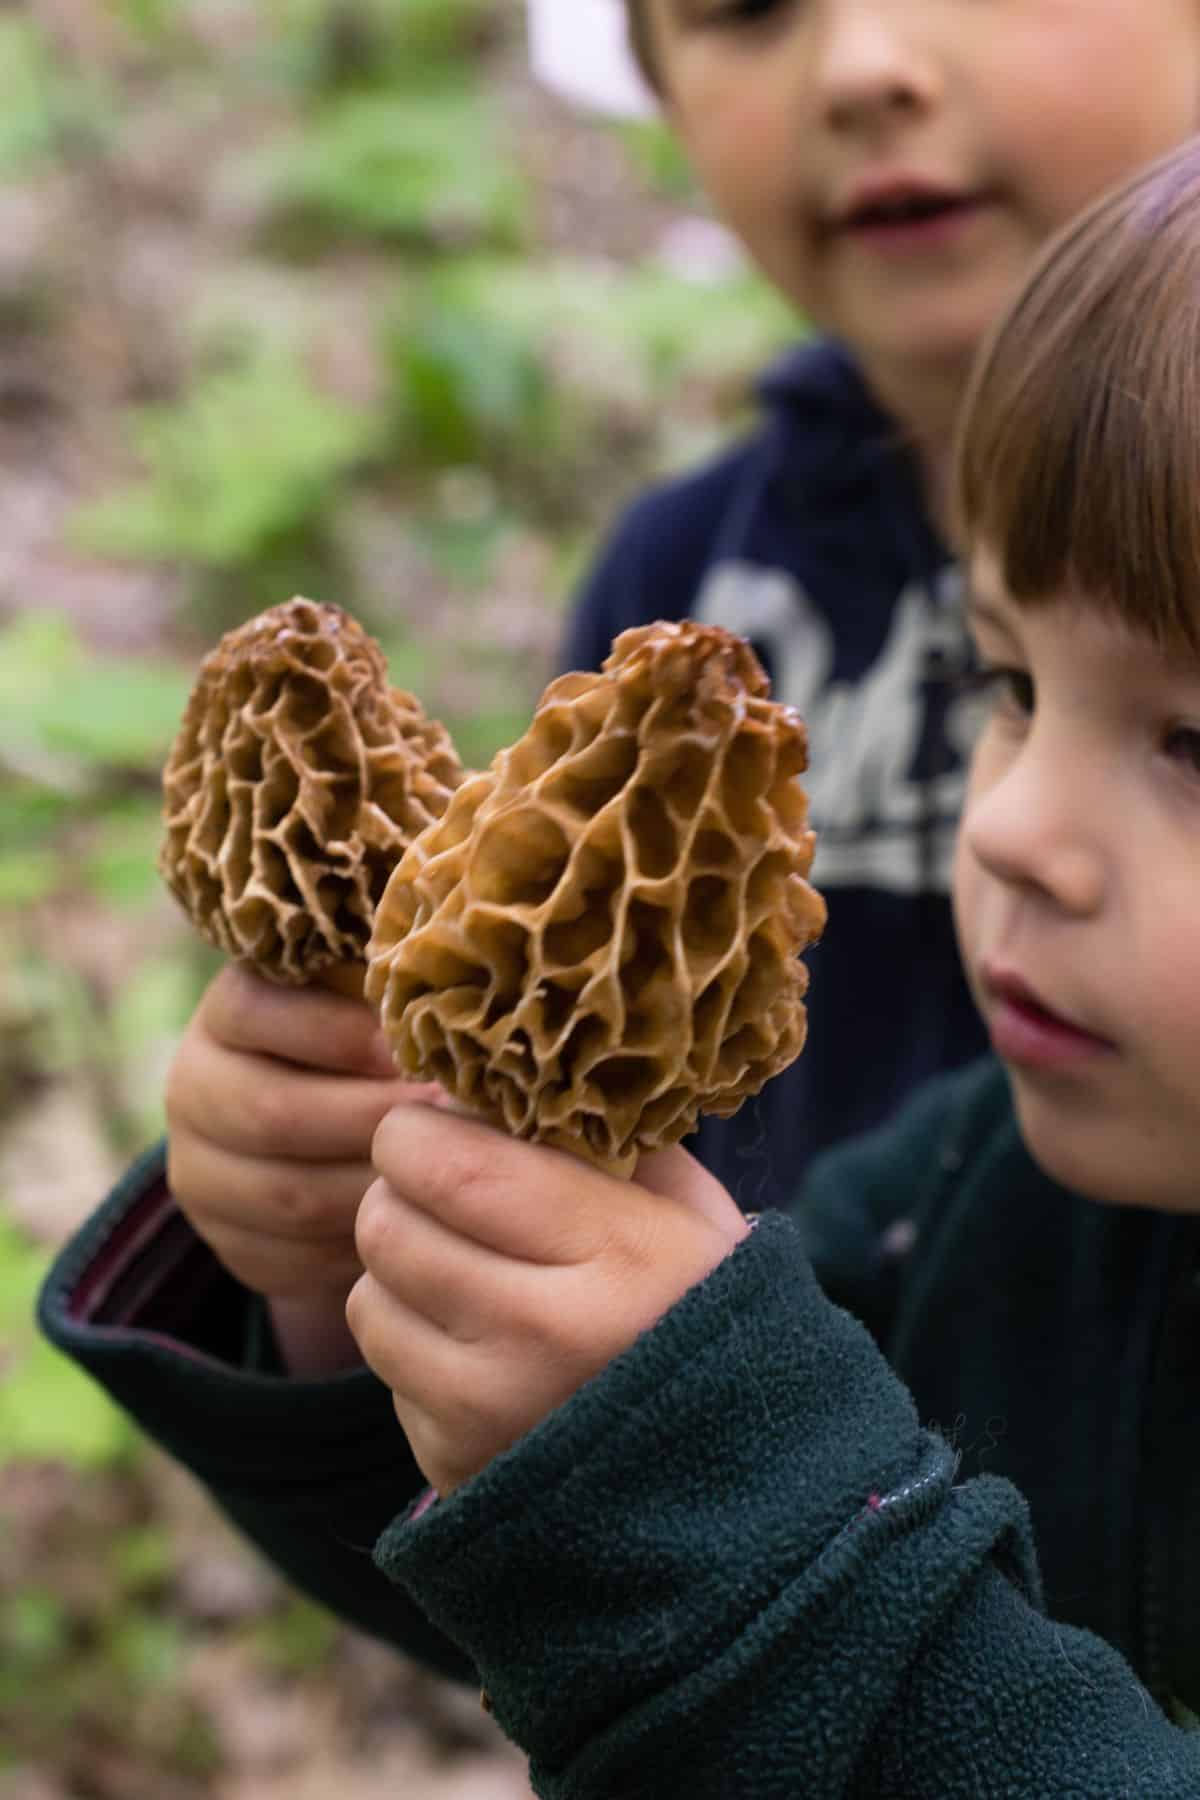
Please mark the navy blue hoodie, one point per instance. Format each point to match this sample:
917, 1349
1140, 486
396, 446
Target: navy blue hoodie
810, 538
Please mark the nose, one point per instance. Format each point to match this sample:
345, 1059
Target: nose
1032, 827
871, 69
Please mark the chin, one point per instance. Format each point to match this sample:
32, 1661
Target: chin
1100, 1158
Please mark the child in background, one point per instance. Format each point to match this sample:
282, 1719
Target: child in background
891, 166
684, 1519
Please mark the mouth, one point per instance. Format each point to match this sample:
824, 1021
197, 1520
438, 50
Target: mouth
1025, 1030
905, 212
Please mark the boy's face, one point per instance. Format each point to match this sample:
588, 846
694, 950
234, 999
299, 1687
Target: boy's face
893, 165
1075, 889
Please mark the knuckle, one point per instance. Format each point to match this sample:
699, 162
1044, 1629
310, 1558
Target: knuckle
633, 1243
356, 1307
474, 1167
374, 1225
177, 1091
291, 1199
268, 1113
387, 1139
527, 1322
229, 1002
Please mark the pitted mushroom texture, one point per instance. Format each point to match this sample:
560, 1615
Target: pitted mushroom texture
600, 938
298, 779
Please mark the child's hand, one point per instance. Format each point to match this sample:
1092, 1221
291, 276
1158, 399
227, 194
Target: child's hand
272, 1101
500, 1276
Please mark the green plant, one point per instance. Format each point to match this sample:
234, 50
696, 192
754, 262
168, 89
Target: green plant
46, 108
63, 719
250, 455
468, 388
498, 357
327, 44
419, 167
656, 154
47, 1407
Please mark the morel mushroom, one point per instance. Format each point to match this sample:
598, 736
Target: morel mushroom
296, 782
599, 940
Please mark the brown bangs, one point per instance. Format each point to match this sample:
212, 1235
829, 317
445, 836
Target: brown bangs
1079, 450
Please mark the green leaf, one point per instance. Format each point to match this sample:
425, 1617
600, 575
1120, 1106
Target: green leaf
48, 1408
30, 815
326, 43
143, 1559
122, 861
297, 1638
603, 323
418, 166
44, 108
123, 714
62, 711
658, 156
478, 737
28, 876
34, 1628
248, 455
466, 384
147, 1649
148, 1016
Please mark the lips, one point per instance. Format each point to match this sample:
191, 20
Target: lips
900, 202
1026, 1031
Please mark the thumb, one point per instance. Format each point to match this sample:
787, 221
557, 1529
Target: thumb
676, 1175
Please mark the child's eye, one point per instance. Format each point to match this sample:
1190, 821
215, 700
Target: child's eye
737, 12
1182, 745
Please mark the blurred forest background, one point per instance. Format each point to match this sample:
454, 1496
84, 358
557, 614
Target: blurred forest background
315, 296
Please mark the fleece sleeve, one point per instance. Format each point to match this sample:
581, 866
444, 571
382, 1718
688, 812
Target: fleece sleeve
310, 1471
734, 1564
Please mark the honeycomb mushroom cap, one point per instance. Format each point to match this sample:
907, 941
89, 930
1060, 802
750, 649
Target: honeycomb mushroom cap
297, 780
599, 940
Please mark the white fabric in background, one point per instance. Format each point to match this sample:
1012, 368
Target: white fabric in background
580, 49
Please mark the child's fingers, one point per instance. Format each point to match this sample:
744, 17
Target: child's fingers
457, 1284
279, 1197
258, 1106
284, 1267
310, 1026
407, 1351
530, 1202
523, 1200
458, 1405
676, 1175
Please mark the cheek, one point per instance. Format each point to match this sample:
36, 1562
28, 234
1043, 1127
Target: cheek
1095, 89
741, 145
1160, 978
967, 881
964, 895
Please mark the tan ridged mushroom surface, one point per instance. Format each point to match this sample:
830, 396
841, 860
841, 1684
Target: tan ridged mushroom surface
298, 778
599, 940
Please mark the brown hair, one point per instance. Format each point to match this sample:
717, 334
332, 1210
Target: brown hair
637, 25
1079, 451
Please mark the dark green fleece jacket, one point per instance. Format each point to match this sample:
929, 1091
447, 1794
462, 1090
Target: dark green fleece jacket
752, 1558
